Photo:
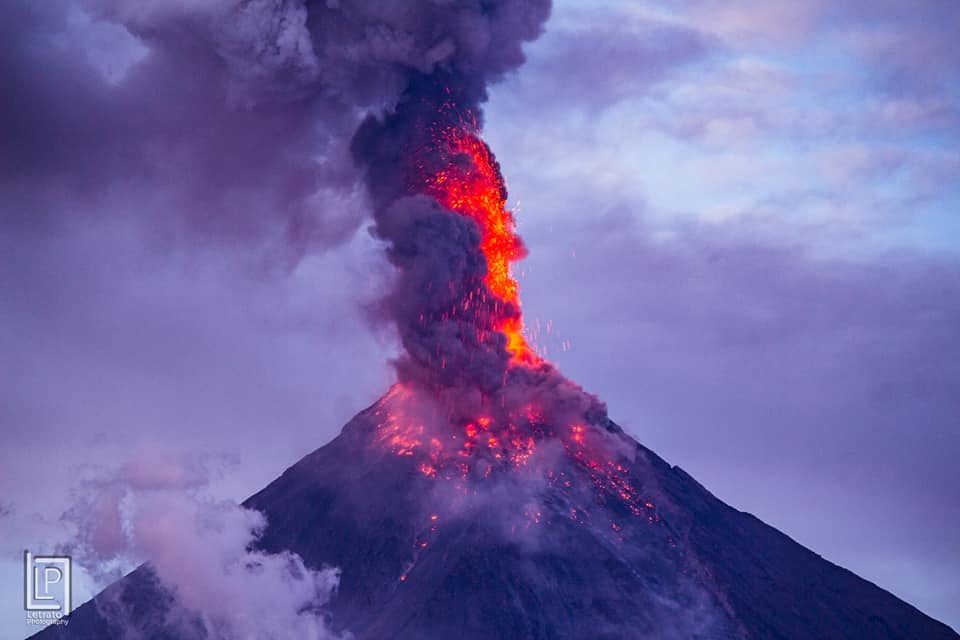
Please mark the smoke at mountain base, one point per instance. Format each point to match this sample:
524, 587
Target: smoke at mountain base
201, 554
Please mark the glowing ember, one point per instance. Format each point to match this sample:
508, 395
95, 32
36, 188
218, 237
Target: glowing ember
483, 446
507, 445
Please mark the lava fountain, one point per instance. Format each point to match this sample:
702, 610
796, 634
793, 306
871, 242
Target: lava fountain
471, 184
497, 407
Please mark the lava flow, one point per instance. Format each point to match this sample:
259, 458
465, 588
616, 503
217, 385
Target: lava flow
476, 451
471, 184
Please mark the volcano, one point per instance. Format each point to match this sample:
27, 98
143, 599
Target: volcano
562, 544
486, 495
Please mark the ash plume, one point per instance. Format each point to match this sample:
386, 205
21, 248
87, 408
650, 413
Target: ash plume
276, 126
446, 316
221, 121
462, 338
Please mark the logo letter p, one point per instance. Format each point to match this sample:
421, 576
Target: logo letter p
47, 573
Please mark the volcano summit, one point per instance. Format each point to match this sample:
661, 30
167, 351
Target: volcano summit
485, 495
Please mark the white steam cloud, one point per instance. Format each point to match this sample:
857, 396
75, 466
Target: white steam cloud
201, 551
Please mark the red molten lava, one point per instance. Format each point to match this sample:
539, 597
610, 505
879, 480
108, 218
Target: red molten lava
482, 446
471, 184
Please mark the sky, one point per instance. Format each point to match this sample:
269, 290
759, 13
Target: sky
741, 225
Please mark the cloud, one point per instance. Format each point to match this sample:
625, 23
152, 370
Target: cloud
168, 143
628, 56
201, 552
734, 127
152, 509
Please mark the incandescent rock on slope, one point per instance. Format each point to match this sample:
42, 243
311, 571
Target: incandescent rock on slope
556, 549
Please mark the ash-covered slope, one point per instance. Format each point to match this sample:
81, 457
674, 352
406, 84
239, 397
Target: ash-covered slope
557, 547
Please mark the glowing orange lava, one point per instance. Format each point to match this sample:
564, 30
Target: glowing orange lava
505, 445
475, 189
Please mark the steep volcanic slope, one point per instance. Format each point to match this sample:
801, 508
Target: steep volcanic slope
549, 549
537, 552
567, 560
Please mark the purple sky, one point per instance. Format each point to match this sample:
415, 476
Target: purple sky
741, 219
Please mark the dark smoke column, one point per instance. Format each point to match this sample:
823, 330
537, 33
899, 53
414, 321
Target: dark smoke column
439, 201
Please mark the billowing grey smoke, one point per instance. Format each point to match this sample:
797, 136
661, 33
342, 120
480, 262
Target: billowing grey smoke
237, 123
221, 120
445, 315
